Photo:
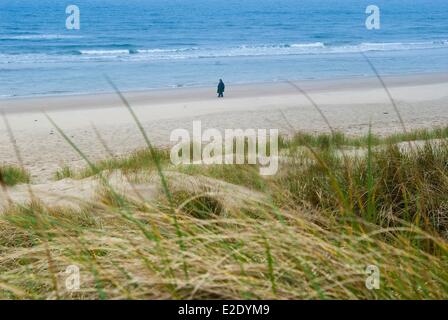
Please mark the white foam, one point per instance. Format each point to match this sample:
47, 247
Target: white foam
197, 53
104, 52
39, 37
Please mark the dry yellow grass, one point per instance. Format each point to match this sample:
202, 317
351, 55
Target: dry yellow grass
196, 245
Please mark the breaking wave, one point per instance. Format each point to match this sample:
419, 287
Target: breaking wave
203, 52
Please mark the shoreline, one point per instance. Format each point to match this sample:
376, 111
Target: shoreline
108, 99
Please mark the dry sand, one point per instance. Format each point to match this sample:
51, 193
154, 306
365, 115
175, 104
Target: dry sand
349, 105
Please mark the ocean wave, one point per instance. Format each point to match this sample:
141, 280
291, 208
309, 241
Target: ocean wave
119, 52
396, 46
197, 52
308, 45
202, 52
262, 50
37, 37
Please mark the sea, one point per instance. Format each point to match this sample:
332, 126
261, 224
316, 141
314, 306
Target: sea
152, 44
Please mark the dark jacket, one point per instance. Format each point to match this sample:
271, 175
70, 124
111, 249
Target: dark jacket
221, 87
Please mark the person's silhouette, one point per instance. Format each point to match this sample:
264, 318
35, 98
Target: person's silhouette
221, 88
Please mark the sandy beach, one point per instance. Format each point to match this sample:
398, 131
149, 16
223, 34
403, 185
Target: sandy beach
96, 121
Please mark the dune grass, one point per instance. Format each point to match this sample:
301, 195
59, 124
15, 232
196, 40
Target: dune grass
142, 159
339, 139
329, 218
282, 254
64, 173
244, 175
11, 175
136, 161
381, 187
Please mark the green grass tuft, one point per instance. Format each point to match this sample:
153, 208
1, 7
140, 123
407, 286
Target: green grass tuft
12, 175
64, 173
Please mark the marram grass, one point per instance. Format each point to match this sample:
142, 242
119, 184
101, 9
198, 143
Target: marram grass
130, 254
321, 222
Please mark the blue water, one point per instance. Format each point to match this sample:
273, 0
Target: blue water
174, 43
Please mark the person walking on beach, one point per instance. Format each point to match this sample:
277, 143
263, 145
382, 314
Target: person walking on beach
221, 88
